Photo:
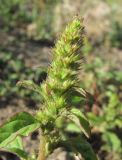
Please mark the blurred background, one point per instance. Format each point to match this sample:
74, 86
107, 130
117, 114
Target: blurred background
28, 31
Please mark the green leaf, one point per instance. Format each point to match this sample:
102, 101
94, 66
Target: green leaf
16, 147
80, 145
113, 143
19, 152
17, 143
80, 120
20, 125
95, 120
71, 127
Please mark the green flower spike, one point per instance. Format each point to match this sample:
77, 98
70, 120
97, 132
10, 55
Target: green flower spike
64, 70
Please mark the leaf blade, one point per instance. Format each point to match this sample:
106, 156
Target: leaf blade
20, 125
80, 120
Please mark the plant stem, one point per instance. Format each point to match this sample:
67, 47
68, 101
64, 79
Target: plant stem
42, 148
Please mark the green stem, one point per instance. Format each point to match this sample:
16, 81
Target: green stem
42, 148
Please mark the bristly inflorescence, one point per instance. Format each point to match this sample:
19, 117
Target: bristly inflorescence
63, 72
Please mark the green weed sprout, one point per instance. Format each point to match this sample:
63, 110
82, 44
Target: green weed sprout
60, 122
